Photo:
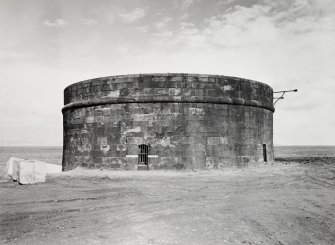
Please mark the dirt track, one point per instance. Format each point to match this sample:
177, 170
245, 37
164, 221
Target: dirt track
277, 204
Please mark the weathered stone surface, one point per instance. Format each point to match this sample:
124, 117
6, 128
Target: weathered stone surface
50, 168
189, 121
12, 167
53, 168
31, 172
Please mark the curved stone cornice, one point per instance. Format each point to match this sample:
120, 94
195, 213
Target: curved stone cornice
170, 99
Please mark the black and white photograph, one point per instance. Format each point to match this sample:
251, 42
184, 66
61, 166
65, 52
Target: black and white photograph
191, 122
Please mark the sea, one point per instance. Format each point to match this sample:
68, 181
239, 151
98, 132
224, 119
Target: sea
305, 151
54, 154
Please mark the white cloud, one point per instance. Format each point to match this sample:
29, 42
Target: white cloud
55, 23
161, 27
88, 21
191, 35
261, 25
123, 49
186, 4
7, 55
144, 28
164, 34
162, 23
133, 15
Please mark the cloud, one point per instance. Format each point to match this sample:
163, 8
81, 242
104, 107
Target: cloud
186, 4
162, 23
133, 15
164, 34
261, 25
88, 21
55, 23
144, 28
161, 27
190, 34
9, 55
123, 49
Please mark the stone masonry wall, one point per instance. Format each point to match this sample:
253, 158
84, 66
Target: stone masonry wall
189, 121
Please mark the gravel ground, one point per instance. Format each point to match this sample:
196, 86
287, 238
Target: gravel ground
289, 202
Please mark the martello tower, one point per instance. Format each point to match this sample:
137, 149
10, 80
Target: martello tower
167, 121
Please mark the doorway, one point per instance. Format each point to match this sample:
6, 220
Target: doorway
143, 159
265, 157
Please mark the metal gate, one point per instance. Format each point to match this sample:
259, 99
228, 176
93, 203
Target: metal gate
143, 159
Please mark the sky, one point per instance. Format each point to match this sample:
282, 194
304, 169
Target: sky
46, 45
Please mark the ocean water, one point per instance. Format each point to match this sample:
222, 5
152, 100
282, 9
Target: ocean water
304, 151
54, 154
51, 154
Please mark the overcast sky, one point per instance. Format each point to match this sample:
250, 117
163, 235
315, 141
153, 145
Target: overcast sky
46, 45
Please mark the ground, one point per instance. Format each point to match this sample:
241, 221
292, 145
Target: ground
289, 202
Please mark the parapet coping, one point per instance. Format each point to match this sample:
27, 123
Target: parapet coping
167, 75
168, 99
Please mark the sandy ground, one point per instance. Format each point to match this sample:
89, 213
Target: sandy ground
284, 203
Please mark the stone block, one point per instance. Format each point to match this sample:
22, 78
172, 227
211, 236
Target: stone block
213, 140
199, 162
209, 162
52, 168
135, 140
31, 172
131, 163
167, 161
12, 167
120, 154
120, 147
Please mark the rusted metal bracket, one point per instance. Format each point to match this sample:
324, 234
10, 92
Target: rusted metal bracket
282, 94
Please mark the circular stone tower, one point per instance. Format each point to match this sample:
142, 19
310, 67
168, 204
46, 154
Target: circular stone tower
167, 121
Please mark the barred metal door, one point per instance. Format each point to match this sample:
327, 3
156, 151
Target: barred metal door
143, 159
